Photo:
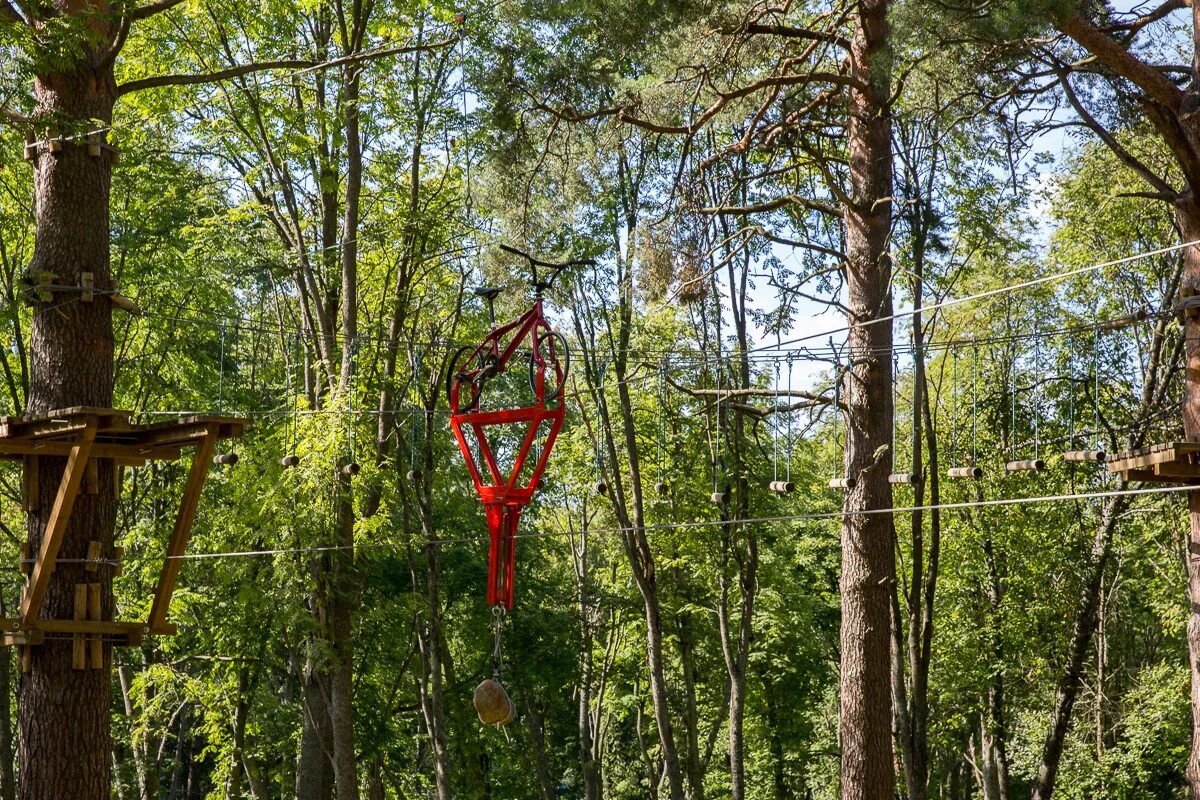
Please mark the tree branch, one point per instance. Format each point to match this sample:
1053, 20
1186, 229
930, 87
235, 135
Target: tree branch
294, 64
1121, 61
798, 33
1106, 136
150, 9
775, 205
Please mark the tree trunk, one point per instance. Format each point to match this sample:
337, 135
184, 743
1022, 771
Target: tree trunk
1071, 680
314, 768
65, 740
868, 541
1188, 216
8, 786
536, 726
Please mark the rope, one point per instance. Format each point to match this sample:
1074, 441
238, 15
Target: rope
825, 515
993, 292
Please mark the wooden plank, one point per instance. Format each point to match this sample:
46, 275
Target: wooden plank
188, 506
132, 451
85, 626
96, 645
56, 527
92, 476
1148, 476
29, 484
93, 556
16, 638
1177, 469
78, 645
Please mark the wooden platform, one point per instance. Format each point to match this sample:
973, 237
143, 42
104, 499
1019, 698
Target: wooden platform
1169, 462
83, 436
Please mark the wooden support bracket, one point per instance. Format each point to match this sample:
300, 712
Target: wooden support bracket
56, 526
183, 529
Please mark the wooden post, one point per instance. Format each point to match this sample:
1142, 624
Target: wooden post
96, 646
56, 526
78, 642
92, 484
93, 556
29, 484
183, 528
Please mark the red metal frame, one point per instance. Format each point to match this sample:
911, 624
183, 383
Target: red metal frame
500, 492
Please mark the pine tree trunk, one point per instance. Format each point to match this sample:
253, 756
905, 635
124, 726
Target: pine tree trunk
868, 541
65, 741
1187, 213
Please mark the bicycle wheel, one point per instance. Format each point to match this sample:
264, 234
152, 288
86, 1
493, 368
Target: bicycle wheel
466, 369
556, 358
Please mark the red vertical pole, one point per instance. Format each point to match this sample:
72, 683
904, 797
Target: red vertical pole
502, 554
512, 516
495, 522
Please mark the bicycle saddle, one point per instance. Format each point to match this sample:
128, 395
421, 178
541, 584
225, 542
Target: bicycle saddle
488, 292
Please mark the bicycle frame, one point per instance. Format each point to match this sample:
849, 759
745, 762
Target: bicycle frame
526, 327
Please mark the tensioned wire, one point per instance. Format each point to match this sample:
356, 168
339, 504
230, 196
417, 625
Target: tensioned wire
699, 359
700, 524
768, 350
943, 346
985, 294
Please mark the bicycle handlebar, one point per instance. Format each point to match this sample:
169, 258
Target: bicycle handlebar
555, 268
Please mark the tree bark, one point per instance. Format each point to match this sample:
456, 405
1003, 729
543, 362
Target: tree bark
1188, 216
314, 767
868, 541
63, 714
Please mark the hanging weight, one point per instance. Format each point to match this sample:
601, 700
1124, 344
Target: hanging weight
600, 487
492, 703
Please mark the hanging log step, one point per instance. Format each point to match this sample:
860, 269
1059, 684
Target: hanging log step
782, 487
1168, 462
843, 483
902, 478
1092, 456
960, 473
1028, 465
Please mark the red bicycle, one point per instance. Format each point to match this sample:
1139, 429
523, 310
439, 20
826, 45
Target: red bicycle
472, 366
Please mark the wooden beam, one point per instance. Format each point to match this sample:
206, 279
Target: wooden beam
183, 529
56, 525
78, 643
29, 483
96, 645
